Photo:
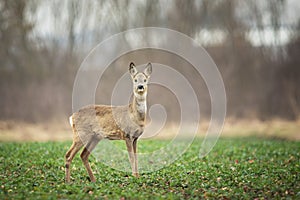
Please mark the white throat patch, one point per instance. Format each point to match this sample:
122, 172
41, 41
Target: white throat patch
141, 106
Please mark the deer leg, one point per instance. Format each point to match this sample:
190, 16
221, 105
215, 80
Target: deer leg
76, 146
135, 169
85, 157
129, 145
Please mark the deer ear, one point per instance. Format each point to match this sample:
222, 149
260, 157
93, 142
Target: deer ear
132, 69
148, 69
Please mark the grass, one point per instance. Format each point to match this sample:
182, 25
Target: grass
245, 168
60, 130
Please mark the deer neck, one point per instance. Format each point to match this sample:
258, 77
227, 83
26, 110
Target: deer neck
139, 108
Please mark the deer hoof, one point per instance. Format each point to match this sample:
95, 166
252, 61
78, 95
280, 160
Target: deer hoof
93, 180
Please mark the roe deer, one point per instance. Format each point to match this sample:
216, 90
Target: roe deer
95, 122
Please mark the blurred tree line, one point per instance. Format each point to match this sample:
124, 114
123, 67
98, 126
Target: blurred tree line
44, 42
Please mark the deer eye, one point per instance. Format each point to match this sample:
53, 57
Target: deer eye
135, 80
145, 80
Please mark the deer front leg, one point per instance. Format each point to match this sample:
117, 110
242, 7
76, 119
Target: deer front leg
132, 157
135, 171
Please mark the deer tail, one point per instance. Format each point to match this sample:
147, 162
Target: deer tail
71, 120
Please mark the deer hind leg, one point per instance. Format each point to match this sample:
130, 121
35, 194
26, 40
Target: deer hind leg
131, 148
76, 146
85, 156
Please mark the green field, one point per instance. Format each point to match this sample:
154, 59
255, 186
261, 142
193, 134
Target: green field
236, 168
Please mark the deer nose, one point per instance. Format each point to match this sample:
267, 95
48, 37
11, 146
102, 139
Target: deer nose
140, 87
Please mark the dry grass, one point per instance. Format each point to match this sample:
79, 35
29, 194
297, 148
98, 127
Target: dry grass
61, 131
20, 131
276, 128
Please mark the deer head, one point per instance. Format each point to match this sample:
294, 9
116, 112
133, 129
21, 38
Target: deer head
140, 80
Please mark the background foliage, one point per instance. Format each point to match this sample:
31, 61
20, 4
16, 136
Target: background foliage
254, 43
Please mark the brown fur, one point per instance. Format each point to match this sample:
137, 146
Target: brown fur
95, 122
